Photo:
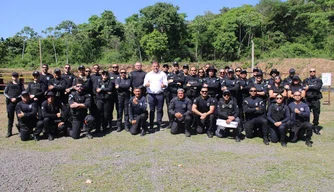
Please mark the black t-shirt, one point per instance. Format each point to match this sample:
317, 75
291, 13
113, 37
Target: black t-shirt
203, 105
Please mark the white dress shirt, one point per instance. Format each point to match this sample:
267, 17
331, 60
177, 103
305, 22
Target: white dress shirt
155, 80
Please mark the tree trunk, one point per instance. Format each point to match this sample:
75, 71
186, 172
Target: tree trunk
54, 50
24, 45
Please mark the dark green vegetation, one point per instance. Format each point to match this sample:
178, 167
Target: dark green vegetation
295, 28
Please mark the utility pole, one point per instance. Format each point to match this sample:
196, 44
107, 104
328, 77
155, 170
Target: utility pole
40, 51
252, 55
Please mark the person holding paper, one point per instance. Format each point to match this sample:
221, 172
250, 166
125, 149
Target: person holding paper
228, 112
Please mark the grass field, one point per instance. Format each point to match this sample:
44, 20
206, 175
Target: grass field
164, 162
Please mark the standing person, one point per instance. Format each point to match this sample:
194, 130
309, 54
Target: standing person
253, 78
222, 75
192, 84
276, 88
261, 86
156, 81
26, 111
137, 77
83, 74
12, 93
255, 115
175, 82
167, 94
203, 109
313, 96
68, 77
55, 114
96, 73
295, 86
243, 93
123, 86
113, 75
79, 102
278, 117
185, 71
45, 75
238, 72
58, 86
37, 89
287, 81
228, 110
212, 82
103, 101
230, 83
180, 109
300, 117
273, 73
201, 74
138, 113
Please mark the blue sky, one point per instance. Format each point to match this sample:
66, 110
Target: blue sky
41, 14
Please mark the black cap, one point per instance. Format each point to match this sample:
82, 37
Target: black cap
225, 92
81, 67
296, 78
50, 94
243, 72
211, 68
185, 66
259, 73
57, 70
35, 73
165, 65
15, 74
226, 67
105, 72
175, 63
292, 70
230, 71
274, 71
256, 69
24, 93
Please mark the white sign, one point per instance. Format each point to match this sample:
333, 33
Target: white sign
326, 79
222, 124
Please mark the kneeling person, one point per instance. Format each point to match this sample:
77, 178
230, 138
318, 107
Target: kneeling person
138, 112
180, 110
79, 102
54, 115
228, 110
26, 111
203, 109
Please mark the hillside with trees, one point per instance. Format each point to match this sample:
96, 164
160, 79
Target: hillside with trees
290, 29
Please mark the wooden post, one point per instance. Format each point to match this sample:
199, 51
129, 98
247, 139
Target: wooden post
329, 95
252, 55
40, 52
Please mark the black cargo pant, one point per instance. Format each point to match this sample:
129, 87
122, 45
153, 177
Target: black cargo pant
88, 123
104, 110
299, 129
251, 126
278, 133
27, 128
167, 98
204, 125
123, 106
314, 106
183, 125
10, 115
140, 123
50, 125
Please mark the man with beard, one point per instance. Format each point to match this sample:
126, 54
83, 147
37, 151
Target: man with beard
138, 113
58, 86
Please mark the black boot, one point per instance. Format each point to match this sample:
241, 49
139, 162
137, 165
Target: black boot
143, 133
266, 141
316, 129
50, 137
119, 127
237, 138
89, 135
187, 133
308, 142
209, 134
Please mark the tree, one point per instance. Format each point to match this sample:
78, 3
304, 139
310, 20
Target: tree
155, 44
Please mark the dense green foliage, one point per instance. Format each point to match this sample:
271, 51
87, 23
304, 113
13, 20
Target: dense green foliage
295, 28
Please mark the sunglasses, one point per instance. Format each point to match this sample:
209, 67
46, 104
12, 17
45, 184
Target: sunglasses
114, 67
296, 95
67, 67
226, 95
237, 71
79, 86
200, 72
252, 90
122, 72
87, 71
279, 98
312, 71
204, 91
44, 67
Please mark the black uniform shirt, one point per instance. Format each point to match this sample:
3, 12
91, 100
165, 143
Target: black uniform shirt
304, 114
13, 90
106, 89
124, 85
29, 109
79, 98
203, 105
137, 109
38, 89
250, 104
182, 106
68, 78
137, 78
278, 113
227, 109
50, 110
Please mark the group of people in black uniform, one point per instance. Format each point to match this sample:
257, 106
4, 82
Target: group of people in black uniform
198, 101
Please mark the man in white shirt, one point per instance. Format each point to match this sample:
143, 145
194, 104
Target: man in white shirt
155, 81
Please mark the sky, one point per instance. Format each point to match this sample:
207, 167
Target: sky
41, 14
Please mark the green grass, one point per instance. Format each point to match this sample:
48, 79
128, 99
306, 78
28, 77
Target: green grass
165, 162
